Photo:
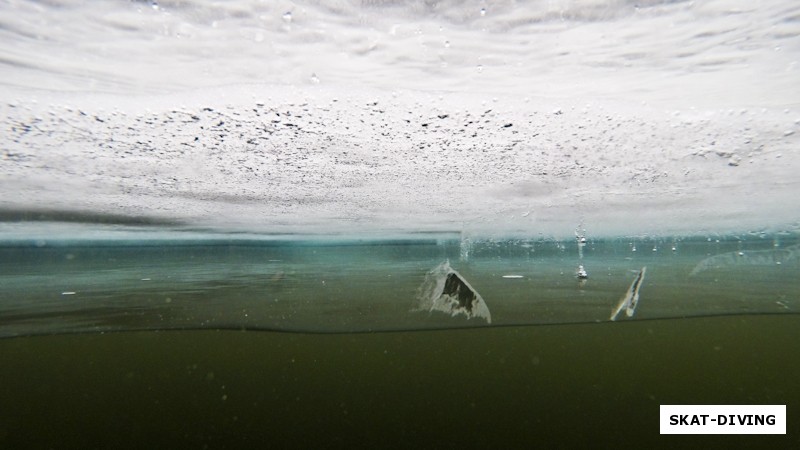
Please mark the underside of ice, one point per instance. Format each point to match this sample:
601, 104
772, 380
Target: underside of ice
527, 117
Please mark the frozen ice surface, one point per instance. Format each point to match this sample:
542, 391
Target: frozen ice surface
631, 117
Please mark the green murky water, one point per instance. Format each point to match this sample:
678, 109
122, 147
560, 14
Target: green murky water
168, 341
563, 386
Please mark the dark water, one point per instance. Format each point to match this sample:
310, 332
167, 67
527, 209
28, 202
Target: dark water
561, 386
128, 339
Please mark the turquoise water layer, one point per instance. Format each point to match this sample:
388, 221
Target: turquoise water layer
156, 278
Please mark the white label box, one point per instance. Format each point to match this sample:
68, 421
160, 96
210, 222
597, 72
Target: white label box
723, 419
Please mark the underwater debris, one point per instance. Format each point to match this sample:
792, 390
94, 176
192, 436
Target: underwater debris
580, 237
447, 291
631, 298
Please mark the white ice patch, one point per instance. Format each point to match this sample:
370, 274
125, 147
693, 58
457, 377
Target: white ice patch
447, 291
631, 298
748, 258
